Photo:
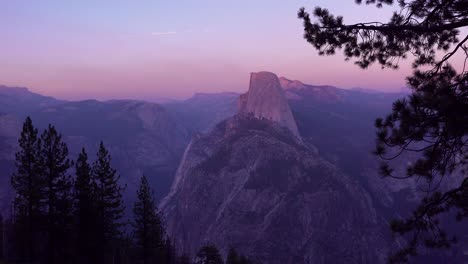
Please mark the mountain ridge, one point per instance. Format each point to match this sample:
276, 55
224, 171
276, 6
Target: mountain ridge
250, 181
247, 174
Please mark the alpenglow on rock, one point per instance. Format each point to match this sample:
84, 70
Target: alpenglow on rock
251, 185
266, 100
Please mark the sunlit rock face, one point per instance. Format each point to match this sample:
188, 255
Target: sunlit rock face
266, 99
253, 184
288, 84
297, 91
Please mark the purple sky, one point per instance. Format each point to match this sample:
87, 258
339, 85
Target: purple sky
157, 48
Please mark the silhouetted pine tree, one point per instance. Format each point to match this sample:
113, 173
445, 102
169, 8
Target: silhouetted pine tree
58, 195
148, 230
170, 252
184, 259
232, 257
244, 260
109, 203
209, 255
431, 121
85, 211
2, 235
28, 183
11, 248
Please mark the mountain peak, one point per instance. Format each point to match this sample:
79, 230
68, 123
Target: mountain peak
288, 84
266, 100
13, 90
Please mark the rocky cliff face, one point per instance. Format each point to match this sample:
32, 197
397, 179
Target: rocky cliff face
249, 184
253, 185
288, 84
296, 90
265, 99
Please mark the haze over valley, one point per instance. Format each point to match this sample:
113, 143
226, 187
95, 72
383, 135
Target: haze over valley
283, 156
234, 132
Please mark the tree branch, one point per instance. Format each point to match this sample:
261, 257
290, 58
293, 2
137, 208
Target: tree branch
414, 28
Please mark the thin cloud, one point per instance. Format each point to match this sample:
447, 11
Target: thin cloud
163, 33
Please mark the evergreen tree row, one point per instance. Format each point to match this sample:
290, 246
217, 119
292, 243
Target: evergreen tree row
59, 217
72, 212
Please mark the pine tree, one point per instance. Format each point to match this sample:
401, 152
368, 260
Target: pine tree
209, 255
58, 199
232, 257
2, 235
28, 183
426, 130
244, 260
184, 259
108, 198
148, 230
85, 210
170, 256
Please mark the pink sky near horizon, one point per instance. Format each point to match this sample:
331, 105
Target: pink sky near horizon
154, 49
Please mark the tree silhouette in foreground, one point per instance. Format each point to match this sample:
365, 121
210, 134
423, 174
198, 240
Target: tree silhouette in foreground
209, 254
148, 229
109, 203
61, 219
85, 211
28, 183
432, 121
58, 197
2, 235
234, 258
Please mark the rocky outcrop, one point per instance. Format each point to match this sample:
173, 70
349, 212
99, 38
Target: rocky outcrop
265, 99
296, 90
253, 184
288, 84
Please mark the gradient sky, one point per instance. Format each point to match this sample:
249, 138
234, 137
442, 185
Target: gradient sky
159, 48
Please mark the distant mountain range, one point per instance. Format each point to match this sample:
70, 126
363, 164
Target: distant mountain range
143, 137
248, 177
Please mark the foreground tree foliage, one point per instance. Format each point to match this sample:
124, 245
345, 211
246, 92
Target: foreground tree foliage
209, 254
58, 197
432, 121
2, 235
108, 202
51, 208
234, 258
148, 229
85, 211
58, 218
28, 183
